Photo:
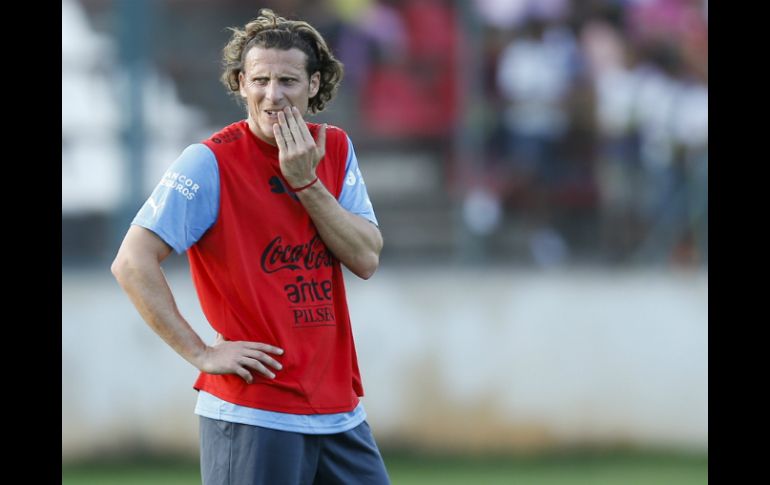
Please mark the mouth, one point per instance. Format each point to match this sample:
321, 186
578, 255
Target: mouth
272, 112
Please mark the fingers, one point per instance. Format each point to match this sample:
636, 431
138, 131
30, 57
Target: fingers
256, 361
257, 366
302, 128
299, 130
245, 374
256, 356
290, 142
243, 357
300, 154
293, 128
264, 347
246, 363
318, 143
321, 143
293, 121
279, 139
261, 356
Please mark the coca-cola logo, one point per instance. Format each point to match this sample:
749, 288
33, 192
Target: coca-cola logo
310, 255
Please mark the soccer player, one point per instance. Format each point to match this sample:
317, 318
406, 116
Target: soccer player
267, 209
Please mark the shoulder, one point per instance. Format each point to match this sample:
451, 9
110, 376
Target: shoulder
334, 134
337, 141
196, 156
336, 131
229, 134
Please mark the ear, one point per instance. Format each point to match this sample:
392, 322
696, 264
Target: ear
315, 84
241, 84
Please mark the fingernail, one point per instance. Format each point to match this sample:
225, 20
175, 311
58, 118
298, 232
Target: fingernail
280, 367
272, 376
280, 351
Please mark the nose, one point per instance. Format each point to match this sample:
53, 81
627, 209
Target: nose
273, 91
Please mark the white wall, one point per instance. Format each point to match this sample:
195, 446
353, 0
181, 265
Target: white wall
454, 359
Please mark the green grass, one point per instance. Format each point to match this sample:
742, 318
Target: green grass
568, 469
132, 474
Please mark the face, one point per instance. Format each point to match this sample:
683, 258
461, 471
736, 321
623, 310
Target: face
273, 79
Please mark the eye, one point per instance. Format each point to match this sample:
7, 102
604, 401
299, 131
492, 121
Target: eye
260, 81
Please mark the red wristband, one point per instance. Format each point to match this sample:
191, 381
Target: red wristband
305, 186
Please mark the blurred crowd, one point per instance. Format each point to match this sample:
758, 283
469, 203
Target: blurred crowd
593, 111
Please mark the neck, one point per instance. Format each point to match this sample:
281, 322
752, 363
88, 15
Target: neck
256, 131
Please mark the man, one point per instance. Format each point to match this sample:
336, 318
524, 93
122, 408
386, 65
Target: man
267, 209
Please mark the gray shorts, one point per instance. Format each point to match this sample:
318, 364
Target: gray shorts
242, 454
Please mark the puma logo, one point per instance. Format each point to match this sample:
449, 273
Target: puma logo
155, 206
277, 187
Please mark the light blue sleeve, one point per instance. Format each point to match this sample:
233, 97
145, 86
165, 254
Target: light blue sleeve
185, 203
354, 196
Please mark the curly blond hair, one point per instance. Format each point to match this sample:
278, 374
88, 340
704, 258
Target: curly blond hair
270, 31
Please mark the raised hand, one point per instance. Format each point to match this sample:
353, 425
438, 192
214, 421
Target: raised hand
298, 153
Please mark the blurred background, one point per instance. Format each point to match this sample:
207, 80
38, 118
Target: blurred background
539, 169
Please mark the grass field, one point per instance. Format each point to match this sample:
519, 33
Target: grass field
571, 469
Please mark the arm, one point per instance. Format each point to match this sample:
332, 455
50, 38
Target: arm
355, 241
137, 269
